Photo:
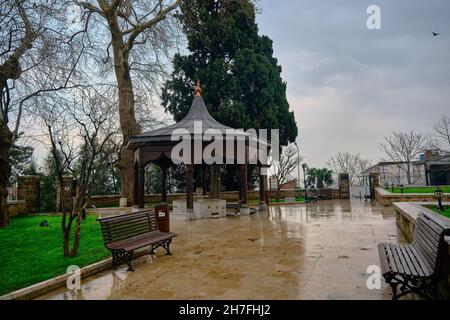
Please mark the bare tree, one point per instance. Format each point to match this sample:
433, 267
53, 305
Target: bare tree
351, 163
139, 35
440, 137
80, 129
404, 147
282, 169
29, 39
14, 44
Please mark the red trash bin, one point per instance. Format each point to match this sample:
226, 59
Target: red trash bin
162, 217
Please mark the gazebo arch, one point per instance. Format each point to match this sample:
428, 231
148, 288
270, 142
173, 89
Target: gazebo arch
156, 147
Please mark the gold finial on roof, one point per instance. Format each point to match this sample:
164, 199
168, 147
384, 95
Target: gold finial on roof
198, 90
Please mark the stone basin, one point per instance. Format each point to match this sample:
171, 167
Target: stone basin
203, 209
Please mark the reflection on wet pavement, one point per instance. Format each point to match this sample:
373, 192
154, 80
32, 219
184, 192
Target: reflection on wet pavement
314, 251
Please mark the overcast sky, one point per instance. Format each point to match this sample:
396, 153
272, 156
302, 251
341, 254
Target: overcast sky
350, 86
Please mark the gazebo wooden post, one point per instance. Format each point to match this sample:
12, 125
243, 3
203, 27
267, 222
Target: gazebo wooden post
141, 189
135, 186
189, 187
262, 185
215, 181
204, 181
243, 197
163, 184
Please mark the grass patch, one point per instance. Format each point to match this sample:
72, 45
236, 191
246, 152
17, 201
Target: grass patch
445, 189
445, 213
297, 199
30, 254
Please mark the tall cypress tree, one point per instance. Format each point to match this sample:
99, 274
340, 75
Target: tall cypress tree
241, 80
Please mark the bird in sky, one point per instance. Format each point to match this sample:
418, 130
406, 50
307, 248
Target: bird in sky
435, 34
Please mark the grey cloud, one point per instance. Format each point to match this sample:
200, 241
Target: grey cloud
350, 86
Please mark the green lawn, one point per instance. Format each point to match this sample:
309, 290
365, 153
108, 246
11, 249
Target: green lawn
30, 254
445, 213
445, 189
297, 199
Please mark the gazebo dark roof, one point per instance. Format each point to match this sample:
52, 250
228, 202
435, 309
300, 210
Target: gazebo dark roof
156, 147
197, 112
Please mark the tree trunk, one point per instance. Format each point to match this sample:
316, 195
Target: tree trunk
128, 123
75, 215
76, 239
5, 171
408, 172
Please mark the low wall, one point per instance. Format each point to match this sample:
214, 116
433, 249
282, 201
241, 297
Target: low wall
113, 200
406, 215
17, 207
230, 196
386, 198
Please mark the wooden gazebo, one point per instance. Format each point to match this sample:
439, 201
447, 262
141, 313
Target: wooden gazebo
156, 147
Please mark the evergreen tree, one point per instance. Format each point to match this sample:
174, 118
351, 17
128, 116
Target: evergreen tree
319, 177
21, 158
48, 185
241, 80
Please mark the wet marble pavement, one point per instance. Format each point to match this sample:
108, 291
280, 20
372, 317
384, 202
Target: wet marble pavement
314, 251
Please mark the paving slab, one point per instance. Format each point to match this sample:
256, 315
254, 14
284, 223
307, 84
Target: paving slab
310, 251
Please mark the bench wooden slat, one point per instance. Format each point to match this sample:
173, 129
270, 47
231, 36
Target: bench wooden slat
425, 249
125, 233
400, 266
411, 259
407, 264
391, 259
145, 242
140, 241
123, 226
383, 259
432, 234
124, 223
407, 268
430, 237
420, 265
128, 228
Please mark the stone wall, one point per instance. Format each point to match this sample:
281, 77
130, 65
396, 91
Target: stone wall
68, 193
17, 207
230, 196
290, 185
344, 186
28, 190
406, 215
113, 200
386, 198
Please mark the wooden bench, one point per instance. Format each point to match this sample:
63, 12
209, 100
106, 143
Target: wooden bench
124, 234
415, 267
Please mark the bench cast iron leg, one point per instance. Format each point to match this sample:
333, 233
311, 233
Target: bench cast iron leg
129, 258
167, 247
394, 290
152, 250
114, 257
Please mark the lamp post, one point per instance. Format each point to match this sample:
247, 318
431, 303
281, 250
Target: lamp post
438, 194
298, 165
304, 167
